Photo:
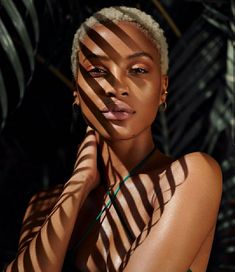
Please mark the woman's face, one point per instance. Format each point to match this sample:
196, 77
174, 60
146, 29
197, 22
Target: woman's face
120, 85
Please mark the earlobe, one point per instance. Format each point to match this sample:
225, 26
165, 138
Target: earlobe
164, 83
76, 98
164, 87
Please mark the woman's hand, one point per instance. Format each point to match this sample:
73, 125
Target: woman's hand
51, 238
85, 168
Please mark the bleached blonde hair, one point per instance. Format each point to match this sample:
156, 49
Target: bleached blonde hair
119, 14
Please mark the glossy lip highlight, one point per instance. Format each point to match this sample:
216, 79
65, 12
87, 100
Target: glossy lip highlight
117, 110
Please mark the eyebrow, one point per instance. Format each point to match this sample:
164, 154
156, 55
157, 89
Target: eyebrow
105, 58
94, 56
140, 54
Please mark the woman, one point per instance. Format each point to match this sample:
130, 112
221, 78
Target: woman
127, 206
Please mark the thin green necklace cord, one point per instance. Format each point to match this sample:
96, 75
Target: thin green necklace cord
130, 174
114, 194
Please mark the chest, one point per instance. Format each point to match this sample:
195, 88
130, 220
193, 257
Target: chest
110, 226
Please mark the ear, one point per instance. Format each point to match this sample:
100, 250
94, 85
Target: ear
164, 86
76, 98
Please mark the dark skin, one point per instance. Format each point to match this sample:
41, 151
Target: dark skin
155, 220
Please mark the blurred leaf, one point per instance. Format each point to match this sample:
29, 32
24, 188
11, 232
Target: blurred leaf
225, 232
163, 133
20, 28
220, 2
200, 116
12, 55
195, 79
232, 22
51, 5
12, 48
230, 72
220, 118
216, 13
34, 18
218, 19
3, 100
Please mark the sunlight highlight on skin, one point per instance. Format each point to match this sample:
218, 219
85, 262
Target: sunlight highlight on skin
103, 45
135, 219
110, 211
96, 87
94, 111
111, 55
49, 250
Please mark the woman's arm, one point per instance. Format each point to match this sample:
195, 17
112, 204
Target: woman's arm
39, 207
187, 219
45, 251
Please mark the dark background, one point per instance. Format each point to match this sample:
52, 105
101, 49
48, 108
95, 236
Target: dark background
42, 130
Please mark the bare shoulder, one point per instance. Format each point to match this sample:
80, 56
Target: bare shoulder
186, 203
193, 181
202, 159
203, 170
197, 179
199, 168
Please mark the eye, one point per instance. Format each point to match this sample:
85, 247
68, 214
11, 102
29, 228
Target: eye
97, 72
138, 71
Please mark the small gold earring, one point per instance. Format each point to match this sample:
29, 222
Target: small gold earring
163, 106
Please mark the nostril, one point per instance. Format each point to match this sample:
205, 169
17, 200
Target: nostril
124, 93
117, 92
110, 94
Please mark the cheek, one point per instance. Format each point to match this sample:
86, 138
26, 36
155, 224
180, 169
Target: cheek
152, 93
85, 84
89, 95
93, 119
149, 101
146, 90
88, 84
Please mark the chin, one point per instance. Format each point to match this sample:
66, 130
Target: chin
121, 134
116, 137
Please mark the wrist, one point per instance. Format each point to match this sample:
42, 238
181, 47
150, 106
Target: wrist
79, 183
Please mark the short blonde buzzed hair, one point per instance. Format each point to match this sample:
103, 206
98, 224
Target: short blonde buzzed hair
122, 14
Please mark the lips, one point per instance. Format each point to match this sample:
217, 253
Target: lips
117, 110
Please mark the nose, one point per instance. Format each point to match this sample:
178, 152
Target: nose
117, 93
117, 87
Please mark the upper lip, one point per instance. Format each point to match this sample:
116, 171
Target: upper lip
117, 106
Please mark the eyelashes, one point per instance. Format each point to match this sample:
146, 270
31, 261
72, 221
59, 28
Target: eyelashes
97, 72
138, 71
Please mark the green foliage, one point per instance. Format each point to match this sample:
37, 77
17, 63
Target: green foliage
11, 45
201, 109
201, 102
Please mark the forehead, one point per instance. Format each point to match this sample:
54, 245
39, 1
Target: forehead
121, 38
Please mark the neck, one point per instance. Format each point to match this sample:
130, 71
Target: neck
121, 156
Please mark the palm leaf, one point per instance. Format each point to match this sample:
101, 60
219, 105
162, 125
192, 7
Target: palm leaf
220, 120
225, 232
218, 20
230, 83
199, 59
11, 46
3, 100
11, 52
20, 28
201, 111
34, 18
